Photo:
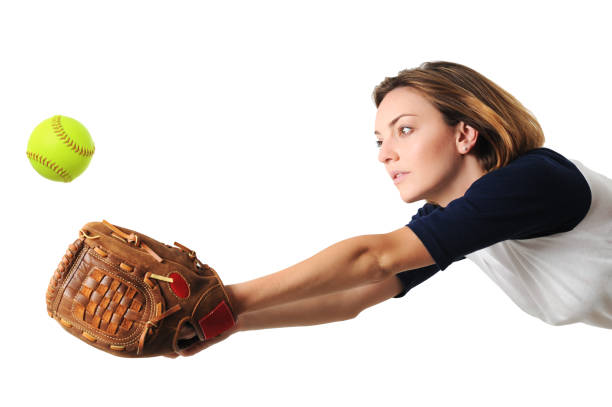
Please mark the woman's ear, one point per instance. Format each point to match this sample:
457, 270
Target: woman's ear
466, 137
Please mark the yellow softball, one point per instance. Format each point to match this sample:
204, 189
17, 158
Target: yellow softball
60, 148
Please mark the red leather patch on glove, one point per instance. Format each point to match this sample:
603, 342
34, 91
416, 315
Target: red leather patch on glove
217, 321
179, 285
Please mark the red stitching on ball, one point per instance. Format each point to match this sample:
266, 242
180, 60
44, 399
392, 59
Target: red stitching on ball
61, 133
51, 165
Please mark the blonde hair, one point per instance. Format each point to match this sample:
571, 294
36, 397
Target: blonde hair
506, 129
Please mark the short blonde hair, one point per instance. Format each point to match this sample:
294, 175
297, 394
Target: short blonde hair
506, 129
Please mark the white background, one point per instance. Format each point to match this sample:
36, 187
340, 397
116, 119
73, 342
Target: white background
245, 131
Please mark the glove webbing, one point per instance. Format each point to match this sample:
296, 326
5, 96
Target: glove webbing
133, 239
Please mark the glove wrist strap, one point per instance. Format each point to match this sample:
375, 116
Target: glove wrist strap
212, 314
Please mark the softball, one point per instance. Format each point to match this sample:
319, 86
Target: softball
60, 148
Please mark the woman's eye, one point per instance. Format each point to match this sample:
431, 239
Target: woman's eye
379, 142
404, 127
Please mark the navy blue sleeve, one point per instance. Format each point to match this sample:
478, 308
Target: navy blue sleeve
538, 194
412, 278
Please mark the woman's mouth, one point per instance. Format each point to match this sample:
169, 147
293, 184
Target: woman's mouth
399, 177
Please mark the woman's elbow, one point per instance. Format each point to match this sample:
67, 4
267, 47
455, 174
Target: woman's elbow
398, 251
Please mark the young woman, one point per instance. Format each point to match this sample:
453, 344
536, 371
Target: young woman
539, 224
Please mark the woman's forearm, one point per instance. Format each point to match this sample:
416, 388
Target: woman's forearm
323, 309
346, 264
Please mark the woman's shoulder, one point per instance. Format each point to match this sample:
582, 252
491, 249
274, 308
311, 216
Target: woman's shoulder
544, 155
543, 180
534, 169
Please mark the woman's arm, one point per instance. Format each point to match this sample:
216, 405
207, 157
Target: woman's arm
344, 265
339, 306
347, 264
335, 284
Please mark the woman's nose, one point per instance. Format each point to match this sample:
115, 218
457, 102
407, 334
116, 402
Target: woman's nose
387, 152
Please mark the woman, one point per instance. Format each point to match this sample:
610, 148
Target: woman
538, 224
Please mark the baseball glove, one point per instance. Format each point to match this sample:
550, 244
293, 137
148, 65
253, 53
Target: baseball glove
130, 295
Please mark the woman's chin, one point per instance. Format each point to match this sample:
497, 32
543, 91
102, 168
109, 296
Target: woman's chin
409, 197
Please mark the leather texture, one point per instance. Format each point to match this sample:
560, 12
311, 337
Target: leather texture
129, 295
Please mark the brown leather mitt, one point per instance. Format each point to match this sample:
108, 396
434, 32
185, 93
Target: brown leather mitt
129, 295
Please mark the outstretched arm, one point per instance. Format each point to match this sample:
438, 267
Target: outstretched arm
347, 264
335, 284
339, 306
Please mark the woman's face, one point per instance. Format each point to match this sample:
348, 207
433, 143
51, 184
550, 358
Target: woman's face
418, 143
